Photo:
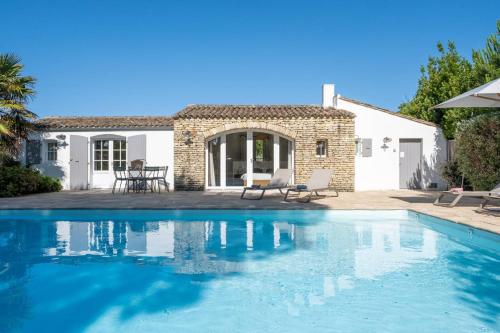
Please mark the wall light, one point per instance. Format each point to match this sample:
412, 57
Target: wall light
61, 137
386, 141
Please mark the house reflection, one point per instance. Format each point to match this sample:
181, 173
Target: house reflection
383, 249
176, 240
353, 252
358, 250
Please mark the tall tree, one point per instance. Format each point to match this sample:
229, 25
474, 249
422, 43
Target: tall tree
448, 75
16, 90
487, 61
444, 77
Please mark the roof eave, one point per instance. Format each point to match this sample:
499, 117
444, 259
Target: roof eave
396, 114
104, 128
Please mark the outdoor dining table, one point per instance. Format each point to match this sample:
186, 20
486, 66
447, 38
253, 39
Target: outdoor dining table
141, 179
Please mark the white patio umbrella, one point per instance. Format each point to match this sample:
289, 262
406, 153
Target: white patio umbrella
485, 96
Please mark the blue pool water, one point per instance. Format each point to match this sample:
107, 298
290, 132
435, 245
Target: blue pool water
245, 271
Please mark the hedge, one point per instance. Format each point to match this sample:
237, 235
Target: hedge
478, 150
16, 180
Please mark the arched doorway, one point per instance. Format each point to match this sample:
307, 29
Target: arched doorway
246, 157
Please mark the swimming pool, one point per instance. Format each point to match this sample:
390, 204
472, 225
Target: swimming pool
245, 271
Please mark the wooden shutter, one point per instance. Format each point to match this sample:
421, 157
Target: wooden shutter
33, 152
136, 148
366, 145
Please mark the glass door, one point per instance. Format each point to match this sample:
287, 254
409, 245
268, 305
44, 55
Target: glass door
285, 154
213, 162
263, 158
236, 159
246, 158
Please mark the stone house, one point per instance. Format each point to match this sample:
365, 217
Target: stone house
261, 138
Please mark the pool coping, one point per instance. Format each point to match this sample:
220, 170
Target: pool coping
467, 213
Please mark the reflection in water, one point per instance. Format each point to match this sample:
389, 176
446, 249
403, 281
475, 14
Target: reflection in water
199, 241
382, 249
136, 267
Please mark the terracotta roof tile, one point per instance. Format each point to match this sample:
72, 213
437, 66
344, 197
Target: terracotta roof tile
126, 122
228, 111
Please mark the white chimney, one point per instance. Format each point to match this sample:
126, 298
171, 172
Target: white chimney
328, 94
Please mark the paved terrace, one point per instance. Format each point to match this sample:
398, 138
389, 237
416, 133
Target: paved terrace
466, 212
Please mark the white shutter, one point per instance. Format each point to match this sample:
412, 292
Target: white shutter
367, 148
136, 148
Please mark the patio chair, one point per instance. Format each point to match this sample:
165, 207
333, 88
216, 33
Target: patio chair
151, 176
120, 176
319, 181
279, 181
136, 177
136, 164
162, 179
495, 192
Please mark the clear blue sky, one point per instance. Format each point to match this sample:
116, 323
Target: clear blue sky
154, 57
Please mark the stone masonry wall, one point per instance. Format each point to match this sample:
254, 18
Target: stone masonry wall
189, 158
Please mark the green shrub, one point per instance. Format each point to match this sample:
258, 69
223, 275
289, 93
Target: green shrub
17, 180
452, 174
478, 150
7, 160
49, 184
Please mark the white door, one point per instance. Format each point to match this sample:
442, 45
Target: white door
78, 162
410, 163
107, 154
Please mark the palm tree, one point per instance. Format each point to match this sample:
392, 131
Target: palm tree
16, 121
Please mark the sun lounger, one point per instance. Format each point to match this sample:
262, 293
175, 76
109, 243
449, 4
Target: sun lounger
319, 181
495, 192
487, 200
279, 181
494, 195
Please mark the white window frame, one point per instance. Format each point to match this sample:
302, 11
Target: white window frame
101, 160
123, 150
325, 148
52, 150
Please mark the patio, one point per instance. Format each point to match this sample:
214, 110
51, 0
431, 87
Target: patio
465, 213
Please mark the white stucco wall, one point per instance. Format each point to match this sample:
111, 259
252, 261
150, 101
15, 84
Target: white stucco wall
381, 170
159, 152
